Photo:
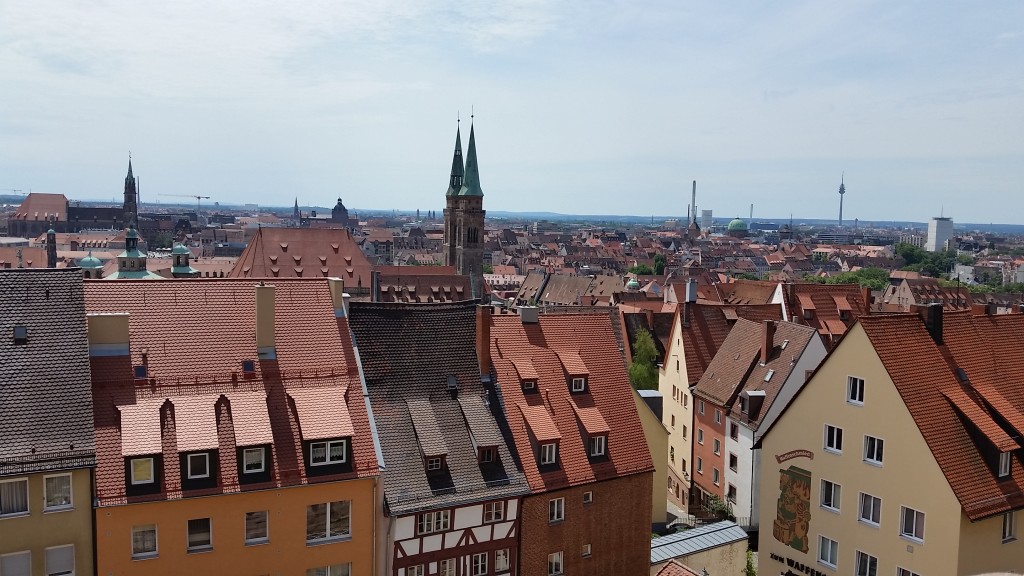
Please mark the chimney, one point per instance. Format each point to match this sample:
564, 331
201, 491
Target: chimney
108, 334
866, 294
932, 316
265, 309
51, 248
767, 340
693, 205
483, 340
529, 314
991, 309
691, 290
338, 297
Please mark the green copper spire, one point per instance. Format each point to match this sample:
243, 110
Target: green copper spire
455, 184
471, 183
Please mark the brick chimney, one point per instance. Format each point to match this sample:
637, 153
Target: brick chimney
866, 294
51, 248
483, 339
932, 316
767, 340
265, 335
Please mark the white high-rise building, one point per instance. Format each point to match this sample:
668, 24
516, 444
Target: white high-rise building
706, 220
940, 230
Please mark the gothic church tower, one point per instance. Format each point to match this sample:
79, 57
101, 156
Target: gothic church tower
131, 198
464, 216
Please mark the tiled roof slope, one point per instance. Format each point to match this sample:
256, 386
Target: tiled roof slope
705, 327
591, 336
422, 284
408, 351
732, 363
45, 397
987, 349
826, 301
307, 253
196, 333
43, 206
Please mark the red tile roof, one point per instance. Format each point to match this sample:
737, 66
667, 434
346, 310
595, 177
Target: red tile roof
323, 412
305, 252
826, 302
706, 327
42, 206
542, 427
591, 337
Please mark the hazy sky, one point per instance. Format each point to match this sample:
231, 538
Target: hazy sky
595, 107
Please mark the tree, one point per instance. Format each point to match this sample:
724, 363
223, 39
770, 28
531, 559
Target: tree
643, 375
641, 270
488, 269
659, 264
874, 278
749, 570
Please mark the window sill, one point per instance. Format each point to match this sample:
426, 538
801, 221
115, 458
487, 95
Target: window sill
830, 509
833, 451
553, 522
148, 556
868, 523
1010, 539
199, 549
854, 402
257, 542
912, 539
827, 565
16, 515
57, 509
322, 541
873, 463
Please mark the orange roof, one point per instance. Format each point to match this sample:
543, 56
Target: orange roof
308, 252
590, 417
540, 423
981, 419
41, 206
250, 418
140, 428
199, 430
573, 364
323, 412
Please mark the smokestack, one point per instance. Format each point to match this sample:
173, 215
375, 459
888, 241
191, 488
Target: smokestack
483, 340
265, 336
932, 316
767, 340
693, 204
51, 248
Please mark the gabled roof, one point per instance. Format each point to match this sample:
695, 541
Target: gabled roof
306, 253
43, 206
705, 327
825, 304
532, 415
408, 352
45, 397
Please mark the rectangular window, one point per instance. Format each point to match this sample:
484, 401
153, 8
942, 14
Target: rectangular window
253, 460
488, 455
1004, 464
199, 465
684, 431
588, 497
579, 384
199, 534
700, 407
1009, 526
730, 494
833, 438
855, 390
672, 453
256, 531
873, 450
433, 464
144, 541
556, 510
346, 570
734, 431
494, 511
586, 551
700, 436
866, 564
14, 497
673, 421
734, 462
325, 453
18, 563
555, 563
430, 522
830, 495
446, 567
548, 453
870, 509
480, 564
60, 561
717, 446
142, 470
700, 465
501, 561
718, 416
597, 445
905, 572
911, 523
743, 404
56, 492
715, 476
828, 551
328, 521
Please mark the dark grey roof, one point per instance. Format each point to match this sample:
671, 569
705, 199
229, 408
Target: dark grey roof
682, 544
45, 388
408, 352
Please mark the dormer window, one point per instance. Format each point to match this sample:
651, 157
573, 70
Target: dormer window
488, 455
579, 384
744, 404
548, 454
1005, 458
140, 372
253, 460
808, 314
199, 465
598, 446
142, 471
435, 464
248, 367
328, 452
529, 385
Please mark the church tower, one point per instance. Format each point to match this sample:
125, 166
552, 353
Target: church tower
131, 198
464, 216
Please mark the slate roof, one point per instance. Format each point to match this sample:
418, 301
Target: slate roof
689, 542
45, 395
609, 394
408, 351
196, 333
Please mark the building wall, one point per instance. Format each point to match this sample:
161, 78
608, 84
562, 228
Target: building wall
940, 230
743, 477
677, 416
40, 530
909, 475
729, 559
285, 553
982, 548
616, 525
657, 443
712, 430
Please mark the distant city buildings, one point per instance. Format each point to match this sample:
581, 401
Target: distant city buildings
940, 232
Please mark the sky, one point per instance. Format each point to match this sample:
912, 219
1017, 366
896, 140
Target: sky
591, 107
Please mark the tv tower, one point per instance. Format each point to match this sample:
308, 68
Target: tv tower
842, 192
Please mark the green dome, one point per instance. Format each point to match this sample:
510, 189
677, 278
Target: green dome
132, 233
632, 284
179, 248
737, 225
90, 262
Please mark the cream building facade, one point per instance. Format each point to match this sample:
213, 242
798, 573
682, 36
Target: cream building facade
677, 416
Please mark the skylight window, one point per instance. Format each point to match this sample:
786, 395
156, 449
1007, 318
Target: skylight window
20, 334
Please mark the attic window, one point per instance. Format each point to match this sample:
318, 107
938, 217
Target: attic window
784, 344
20, 334
140, 372
488, 455
435, 464
808, 314
1004, 464
529, 385
769, 375
743, 404
844, 315
579, 384
248, 367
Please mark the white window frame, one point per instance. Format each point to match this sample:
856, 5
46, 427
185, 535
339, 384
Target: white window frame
875, 511
556, 510
47, 507
245, 460
716, 476
700, 436
26, 553
152, 471
556, 563
494, 511
446, 567
1005, 459
700, 407
206, 457
28, 498
717, 447
488, 455
198, 547
901, 571
731, 493
502, 561
868, 559
548, 453
832, 560
327, 445
328, 536
266, 528
916, 519
529, 385
579, 384
836, 446
434, 463
588, 497
417, 570
598, 445
433, 522
874, 450
478, 564
156, 541
835, 495
700, 465
54, 571
718, 416
587, 551
855, 390
1009, 526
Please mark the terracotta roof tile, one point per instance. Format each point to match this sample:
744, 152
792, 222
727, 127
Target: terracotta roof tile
980, 419
323, 412
140, 428
590, 418
271, 250
196, 422
250, 418
542, 427
572, 363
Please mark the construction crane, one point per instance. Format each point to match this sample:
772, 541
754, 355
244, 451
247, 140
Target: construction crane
196, 196
15, 190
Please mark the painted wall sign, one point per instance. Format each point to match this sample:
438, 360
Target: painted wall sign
793, 512
794, 454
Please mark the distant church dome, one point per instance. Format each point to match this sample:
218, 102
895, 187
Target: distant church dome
632, 285
90, 262
737, 225
179, 248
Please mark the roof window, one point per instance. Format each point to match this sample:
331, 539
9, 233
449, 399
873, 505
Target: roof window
248, 367
140, 372
20, 334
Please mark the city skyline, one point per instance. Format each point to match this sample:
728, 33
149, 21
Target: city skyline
581, 108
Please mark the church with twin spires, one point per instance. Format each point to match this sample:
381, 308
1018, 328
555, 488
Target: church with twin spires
464, 215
